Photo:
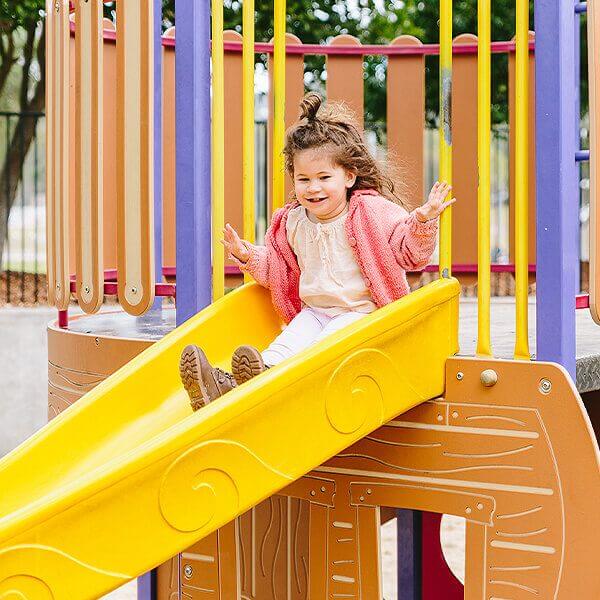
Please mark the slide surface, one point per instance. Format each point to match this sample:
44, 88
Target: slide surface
129, 475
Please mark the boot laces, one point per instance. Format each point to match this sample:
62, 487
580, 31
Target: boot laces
224, 377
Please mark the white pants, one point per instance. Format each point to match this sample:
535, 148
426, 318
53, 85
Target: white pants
308, 327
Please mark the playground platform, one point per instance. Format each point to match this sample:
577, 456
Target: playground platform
157, 323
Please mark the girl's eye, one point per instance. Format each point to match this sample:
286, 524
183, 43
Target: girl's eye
302, 180
326, 177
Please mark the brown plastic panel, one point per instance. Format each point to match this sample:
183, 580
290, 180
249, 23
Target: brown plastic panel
58, 167
135, 155
78, 362
406, 119
593, 27
511, 120
345, 77
89, 83
501, 457
294, 91
464, 157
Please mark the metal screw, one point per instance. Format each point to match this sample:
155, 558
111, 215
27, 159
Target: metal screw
323, 489
57, 6
369, 491
86, 289
188, 571
545, 386
489, 377
460, 375
97, 341
134, 290
362, 498
58, 286
313, 493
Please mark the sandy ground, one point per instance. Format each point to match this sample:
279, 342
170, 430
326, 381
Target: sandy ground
23, 401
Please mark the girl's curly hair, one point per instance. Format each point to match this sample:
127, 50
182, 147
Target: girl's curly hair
333, 128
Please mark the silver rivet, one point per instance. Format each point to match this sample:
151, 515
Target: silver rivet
323, 489
369, 491
489, 377
479, 506
362, 498
57, 6
134, 290
188, 571
58, 286
440, 418
86, 289
468, 510
455, 415
313, 493
97, 341
545, 386
460, 375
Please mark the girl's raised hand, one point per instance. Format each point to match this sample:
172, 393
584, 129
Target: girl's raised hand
436, 203
234, 245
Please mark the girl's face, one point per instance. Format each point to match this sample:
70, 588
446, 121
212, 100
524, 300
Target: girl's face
320, 185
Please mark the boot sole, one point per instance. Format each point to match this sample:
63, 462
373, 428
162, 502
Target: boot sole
190, 371
246, 363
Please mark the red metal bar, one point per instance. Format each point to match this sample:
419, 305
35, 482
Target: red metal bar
366, 50
582, 301
63, 319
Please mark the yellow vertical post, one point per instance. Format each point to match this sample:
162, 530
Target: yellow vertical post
522, 180
446, 131
248, 124
278, 103
218, 151
484, 61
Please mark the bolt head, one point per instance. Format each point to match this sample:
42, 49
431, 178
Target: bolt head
460, 375
545, 386
188, 571
489, 377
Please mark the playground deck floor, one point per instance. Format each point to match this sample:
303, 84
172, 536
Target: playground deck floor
157, 323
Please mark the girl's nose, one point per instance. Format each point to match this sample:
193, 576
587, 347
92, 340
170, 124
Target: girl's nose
314, 186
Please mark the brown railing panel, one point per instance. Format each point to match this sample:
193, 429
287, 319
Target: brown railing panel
511, 120
57, 219
135, 158
89, 79
345, 77
294, 91
406, 119
464, 156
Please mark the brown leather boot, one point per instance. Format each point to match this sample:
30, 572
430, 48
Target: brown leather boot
203, 382
246, 363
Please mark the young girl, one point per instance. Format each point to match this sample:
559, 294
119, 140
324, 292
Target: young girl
336, 253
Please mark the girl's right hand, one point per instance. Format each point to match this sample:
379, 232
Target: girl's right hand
234, 244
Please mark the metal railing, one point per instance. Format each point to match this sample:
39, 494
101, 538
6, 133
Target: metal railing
22, 208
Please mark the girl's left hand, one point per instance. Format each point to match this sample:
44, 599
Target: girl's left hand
436, 203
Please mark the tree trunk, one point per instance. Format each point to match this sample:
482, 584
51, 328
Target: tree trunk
21, 139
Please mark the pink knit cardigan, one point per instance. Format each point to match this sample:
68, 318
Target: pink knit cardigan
386, 240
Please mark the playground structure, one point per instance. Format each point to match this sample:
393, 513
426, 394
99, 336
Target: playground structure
128, 477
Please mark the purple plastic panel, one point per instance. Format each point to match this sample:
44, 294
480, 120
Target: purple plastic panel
557, 185
193, 172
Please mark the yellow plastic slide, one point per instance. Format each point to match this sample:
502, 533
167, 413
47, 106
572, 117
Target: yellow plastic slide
129, 475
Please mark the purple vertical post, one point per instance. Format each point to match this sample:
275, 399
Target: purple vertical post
193, 160
146, 584
409, 554
556, 181
577, 74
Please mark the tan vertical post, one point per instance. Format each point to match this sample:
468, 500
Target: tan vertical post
406, 118
168, 212
345, 77
464, 157
89, 86
511, 120
135, 108
57, 98
294, 91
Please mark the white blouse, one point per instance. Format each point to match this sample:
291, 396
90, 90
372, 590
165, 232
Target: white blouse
330, 278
